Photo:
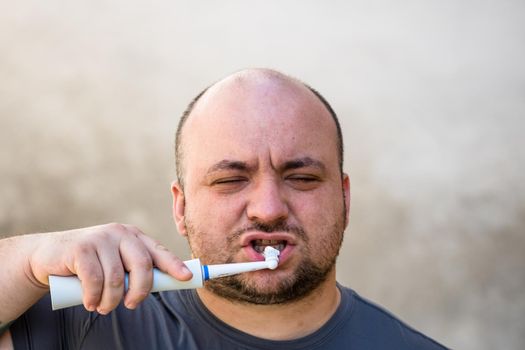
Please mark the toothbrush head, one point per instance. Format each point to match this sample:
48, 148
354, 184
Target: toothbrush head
271, 256
272, 264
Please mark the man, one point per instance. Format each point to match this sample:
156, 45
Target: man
259, 162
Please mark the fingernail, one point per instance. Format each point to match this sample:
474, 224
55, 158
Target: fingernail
131, 305
186, 270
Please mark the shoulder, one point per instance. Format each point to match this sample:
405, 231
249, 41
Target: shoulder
376, 325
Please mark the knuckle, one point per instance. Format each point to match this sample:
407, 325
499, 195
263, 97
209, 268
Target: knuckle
173, 259
115, 227
115, 278
144, 263
93, 277
87, 270
90, 273
103, 236
134, 229
82, 248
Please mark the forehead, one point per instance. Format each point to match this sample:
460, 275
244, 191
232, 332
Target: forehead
258, 118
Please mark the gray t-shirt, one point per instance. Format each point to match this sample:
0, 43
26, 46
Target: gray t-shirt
179, 320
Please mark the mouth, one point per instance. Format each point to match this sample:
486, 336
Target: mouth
253, 244
259, 244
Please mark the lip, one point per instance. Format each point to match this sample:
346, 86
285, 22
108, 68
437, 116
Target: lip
253, 255
247, 238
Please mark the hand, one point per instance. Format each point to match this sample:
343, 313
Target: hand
99, 256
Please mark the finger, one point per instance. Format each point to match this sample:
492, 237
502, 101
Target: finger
113, 274
166, 260
88, 269
139, 264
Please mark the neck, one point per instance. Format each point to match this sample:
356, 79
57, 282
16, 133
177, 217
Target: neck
278, 322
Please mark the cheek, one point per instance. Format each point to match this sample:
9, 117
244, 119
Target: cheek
318, 208
214, 215
321, 216
208, 230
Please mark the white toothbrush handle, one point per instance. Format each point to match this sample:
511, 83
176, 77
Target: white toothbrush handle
67, 291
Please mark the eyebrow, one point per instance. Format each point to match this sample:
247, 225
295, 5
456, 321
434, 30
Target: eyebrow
298, 163
303, 163
226, 164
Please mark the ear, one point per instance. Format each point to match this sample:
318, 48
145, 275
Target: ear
346, 193
178, 207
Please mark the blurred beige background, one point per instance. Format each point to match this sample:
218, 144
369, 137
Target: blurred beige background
430, 96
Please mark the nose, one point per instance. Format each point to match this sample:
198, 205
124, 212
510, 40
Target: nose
267, 203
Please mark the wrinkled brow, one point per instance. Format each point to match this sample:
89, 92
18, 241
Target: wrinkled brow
298, 163
303, 163
228, 165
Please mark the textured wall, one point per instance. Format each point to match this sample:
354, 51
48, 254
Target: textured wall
430, 95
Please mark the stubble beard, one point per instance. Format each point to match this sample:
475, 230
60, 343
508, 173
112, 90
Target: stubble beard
303, 281
307, 277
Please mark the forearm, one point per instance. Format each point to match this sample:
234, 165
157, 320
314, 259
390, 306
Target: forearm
19, 288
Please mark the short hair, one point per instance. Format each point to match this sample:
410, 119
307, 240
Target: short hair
190, 107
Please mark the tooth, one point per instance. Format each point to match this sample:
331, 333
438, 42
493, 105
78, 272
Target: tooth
260, 244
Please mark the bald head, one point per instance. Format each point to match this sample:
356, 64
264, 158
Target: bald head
257, 90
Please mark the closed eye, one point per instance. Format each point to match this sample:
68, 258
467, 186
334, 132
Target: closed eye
229, 184
229, 180
303, 182
302, 178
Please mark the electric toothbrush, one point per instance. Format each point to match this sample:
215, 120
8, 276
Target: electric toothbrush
66, 291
